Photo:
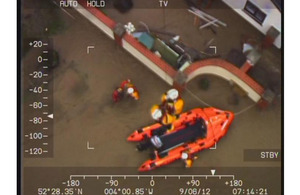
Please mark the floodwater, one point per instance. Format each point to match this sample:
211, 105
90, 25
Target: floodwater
84, 111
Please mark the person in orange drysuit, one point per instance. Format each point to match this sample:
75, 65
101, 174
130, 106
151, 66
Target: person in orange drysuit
163, 117
172, 102
130, 89
188, 159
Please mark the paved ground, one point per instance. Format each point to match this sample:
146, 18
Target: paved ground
84, 111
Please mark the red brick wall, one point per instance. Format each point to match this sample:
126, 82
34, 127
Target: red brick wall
131, 40
100, 15
168, 69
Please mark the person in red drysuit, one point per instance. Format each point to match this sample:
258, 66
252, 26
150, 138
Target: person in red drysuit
118, 94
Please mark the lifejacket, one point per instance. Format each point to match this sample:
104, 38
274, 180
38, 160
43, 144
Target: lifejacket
167, 119
135, 93
174, 107
163, 98
178, 105
188, 163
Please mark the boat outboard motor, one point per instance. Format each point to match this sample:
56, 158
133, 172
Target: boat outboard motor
156, 142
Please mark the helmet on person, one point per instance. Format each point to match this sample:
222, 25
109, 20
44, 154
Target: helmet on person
156, 112
184, 156
130, 90
172, 94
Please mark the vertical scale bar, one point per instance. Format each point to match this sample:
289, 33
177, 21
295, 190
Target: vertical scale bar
37, 97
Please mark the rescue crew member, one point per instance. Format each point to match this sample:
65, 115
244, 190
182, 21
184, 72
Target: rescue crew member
156, 113
188, 159
133, 92
118, 94
162, 117
130, 89
173, 102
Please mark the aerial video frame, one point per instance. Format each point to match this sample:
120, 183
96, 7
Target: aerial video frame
141, 97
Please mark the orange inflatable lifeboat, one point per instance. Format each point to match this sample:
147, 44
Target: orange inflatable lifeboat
193, 131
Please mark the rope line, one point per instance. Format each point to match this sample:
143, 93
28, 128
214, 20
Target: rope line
203, 102
197, 98
244, 110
